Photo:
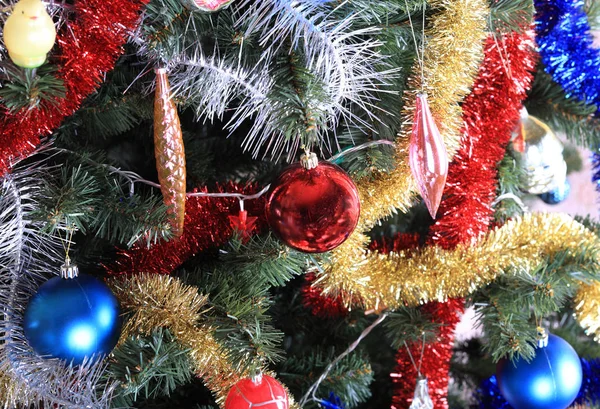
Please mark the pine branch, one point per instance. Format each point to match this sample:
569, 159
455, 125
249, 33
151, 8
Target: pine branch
511, 174
238, 286
510, 15
341, 58
407, 325
148, 367
511, 307
30, 89
547, 101
349, 380
87, 195
116, 108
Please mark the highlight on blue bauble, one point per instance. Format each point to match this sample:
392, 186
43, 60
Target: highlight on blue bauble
557, 195
550, 381
72, 319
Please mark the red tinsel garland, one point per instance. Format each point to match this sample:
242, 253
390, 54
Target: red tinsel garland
88, 48
490, 113
322, 306
207, 225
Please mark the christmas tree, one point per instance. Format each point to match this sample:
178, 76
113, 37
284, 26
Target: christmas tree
290, 204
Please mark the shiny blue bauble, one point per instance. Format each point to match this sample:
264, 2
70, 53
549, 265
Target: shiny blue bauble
550, 381
72, 319
557, 195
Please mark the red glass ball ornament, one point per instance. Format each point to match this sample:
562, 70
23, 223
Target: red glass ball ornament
263, 392
313, 210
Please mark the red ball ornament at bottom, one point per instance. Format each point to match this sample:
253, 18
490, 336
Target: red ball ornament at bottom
313, 209
261, 392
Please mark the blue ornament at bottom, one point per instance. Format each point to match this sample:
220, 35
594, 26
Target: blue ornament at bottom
550, 381
558, 195
72, 318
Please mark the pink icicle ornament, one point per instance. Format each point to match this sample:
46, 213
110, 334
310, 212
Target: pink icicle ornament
427, 156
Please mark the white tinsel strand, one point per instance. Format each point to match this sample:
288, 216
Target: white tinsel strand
27, 258
343, 59
340, 56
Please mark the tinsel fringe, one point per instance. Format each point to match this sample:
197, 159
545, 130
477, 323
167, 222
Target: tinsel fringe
155, 301
452, 56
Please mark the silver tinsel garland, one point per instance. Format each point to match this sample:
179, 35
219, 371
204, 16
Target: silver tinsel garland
28, 257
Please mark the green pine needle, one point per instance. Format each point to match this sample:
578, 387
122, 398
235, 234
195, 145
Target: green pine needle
31, 89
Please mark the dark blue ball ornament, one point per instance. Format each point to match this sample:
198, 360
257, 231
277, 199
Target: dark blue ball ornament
550, 381
557, 195
72, 318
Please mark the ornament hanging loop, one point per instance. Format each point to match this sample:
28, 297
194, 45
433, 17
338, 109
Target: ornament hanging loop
68, 270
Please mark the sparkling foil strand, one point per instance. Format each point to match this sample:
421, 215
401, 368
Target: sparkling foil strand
161, 301
207, 226
466, 212
436, 274
453, 53
89, 47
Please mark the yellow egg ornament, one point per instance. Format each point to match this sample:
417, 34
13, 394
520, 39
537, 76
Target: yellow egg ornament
29, 34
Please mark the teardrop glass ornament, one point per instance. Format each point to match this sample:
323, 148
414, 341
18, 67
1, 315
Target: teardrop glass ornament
427, 156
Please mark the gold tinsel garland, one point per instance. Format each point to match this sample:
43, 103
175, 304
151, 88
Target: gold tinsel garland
11, 391
451, 60
432, 273
587, 308
154, 301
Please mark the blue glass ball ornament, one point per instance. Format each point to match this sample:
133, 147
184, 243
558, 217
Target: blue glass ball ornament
557, 195
550, 381
72, 319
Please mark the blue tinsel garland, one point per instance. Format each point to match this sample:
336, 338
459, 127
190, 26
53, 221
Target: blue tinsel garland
488, 395
565, 46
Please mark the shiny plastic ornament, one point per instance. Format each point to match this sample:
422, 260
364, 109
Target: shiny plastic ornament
427, 156
557, 195
313, 208
29, 34
169, 152
421, 400
550, 381
72, 318
541, 154
208, 5
261, 392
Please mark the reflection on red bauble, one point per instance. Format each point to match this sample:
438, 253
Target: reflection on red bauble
264, 392
313, 210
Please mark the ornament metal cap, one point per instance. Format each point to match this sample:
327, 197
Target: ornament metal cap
309, 160
68, 270
542, 337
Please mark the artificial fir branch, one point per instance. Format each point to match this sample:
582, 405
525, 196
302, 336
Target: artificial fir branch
512, 306
349, 380
409, 324
547, 100
238, 286
86, 195
510, 179
27, 89
148, 367
510, 15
